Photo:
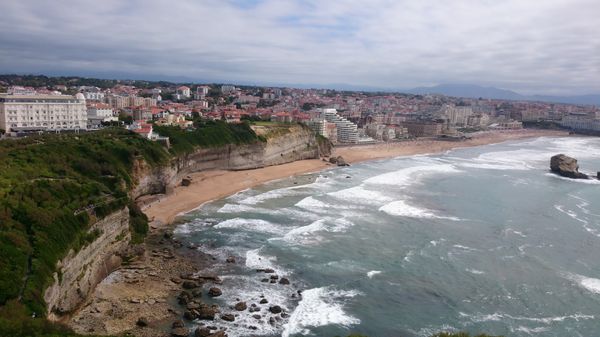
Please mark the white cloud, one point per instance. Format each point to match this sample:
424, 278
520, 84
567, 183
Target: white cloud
527, 45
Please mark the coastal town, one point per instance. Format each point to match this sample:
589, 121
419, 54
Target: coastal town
344, 117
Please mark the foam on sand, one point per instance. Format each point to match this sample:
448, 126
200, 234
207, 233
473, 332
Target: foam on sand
319, 307
401, 208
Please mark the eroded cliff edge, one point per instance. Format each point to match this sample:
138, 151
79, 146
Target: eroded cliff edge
80, 272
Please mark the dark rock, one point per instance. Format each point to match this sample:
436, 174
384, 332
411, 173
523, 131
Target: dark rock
175, 280
264, 301
179, 332
219, 334
273, 281
186, 182
284, 281
267, 271
202, 332
566, 166
275, 309
272, 320
228, 317
254, 309
284, 315
190, 315
142, 321
177, 324
333, 160
192, 306
252, 327
274, 277
230, 259
265, 280
257, 316
340, 161
214, 292
197, 293
190, 285
240, 306
207, 312
598, 175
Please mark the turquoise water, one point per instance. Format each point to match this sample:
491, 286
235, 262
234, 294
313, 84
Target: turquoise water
482, 240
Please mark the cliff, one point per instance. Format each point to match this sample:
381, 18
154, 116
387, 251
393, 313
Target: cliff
285, 144
79, 272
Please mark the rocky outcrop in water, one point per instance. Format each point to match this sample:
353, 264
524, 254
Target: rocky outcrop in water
566, 166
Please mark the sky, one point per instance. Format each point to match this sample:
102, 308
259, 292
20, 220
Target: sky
529, 46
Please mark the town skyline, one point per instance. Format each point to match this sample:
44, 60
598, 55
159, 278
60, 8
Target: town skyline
522, 46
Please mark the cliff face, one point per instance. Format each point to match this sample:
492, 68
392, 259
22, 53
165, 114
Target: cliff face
296, 143
80, 272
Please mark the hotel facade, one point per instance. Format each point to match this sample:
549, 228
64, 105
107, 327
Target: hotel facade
34, 113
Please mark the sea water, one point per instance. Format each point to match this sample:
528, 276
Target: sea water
480, 239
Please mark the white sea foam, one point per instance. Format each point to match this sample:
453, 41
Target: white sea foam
581, 181
254, 260
495, 317
312, 204
475, 271
408, 176
531, 331
319, 307
253, 225
235, 208
588, 283
401, 208
373, 273
306, 234
359, 194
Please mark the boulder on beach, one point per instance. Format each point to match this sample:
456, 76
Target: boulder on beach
179, 332
240, 306
341, 161
202, 332
275, 309
566, 166
214, 292
142, 321
228, 317
186, 181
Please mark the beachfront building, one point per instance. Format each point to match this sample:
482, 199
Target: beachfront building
347, 132
423, 128
21, 114
577, 123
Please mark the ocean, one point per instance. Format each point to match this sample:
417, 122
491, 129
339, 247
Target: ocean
480, 239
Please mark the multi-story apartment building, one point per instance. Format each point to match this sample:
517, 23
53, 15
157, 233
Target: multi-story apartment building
347, 132
32, 113
579, 123
423, 128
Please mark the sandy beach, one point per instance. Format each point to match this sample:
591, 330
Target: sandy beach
212, 185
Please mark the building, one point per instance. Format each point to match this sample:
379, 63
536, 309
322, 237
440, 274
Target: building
201, 92
34, 113
227, 89
184, 92
347, 132
100, 113
423, 128
578, 123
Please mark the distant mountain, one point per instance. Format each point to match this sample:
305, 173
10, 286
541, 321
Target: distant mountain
476, 91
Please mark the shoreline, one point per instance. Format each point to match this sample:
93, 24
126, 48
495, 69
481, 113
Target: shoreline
212, 185
143, 296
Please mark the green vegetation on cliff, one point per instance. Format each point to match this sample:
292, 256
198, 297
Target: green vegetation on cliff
207, 134
51, 188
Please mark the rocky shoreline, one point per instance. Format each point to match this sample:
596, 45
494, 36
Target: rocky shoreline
166, 290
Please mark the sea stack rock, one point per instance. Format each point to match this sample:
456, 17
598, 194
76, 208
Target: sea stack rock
566, 166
